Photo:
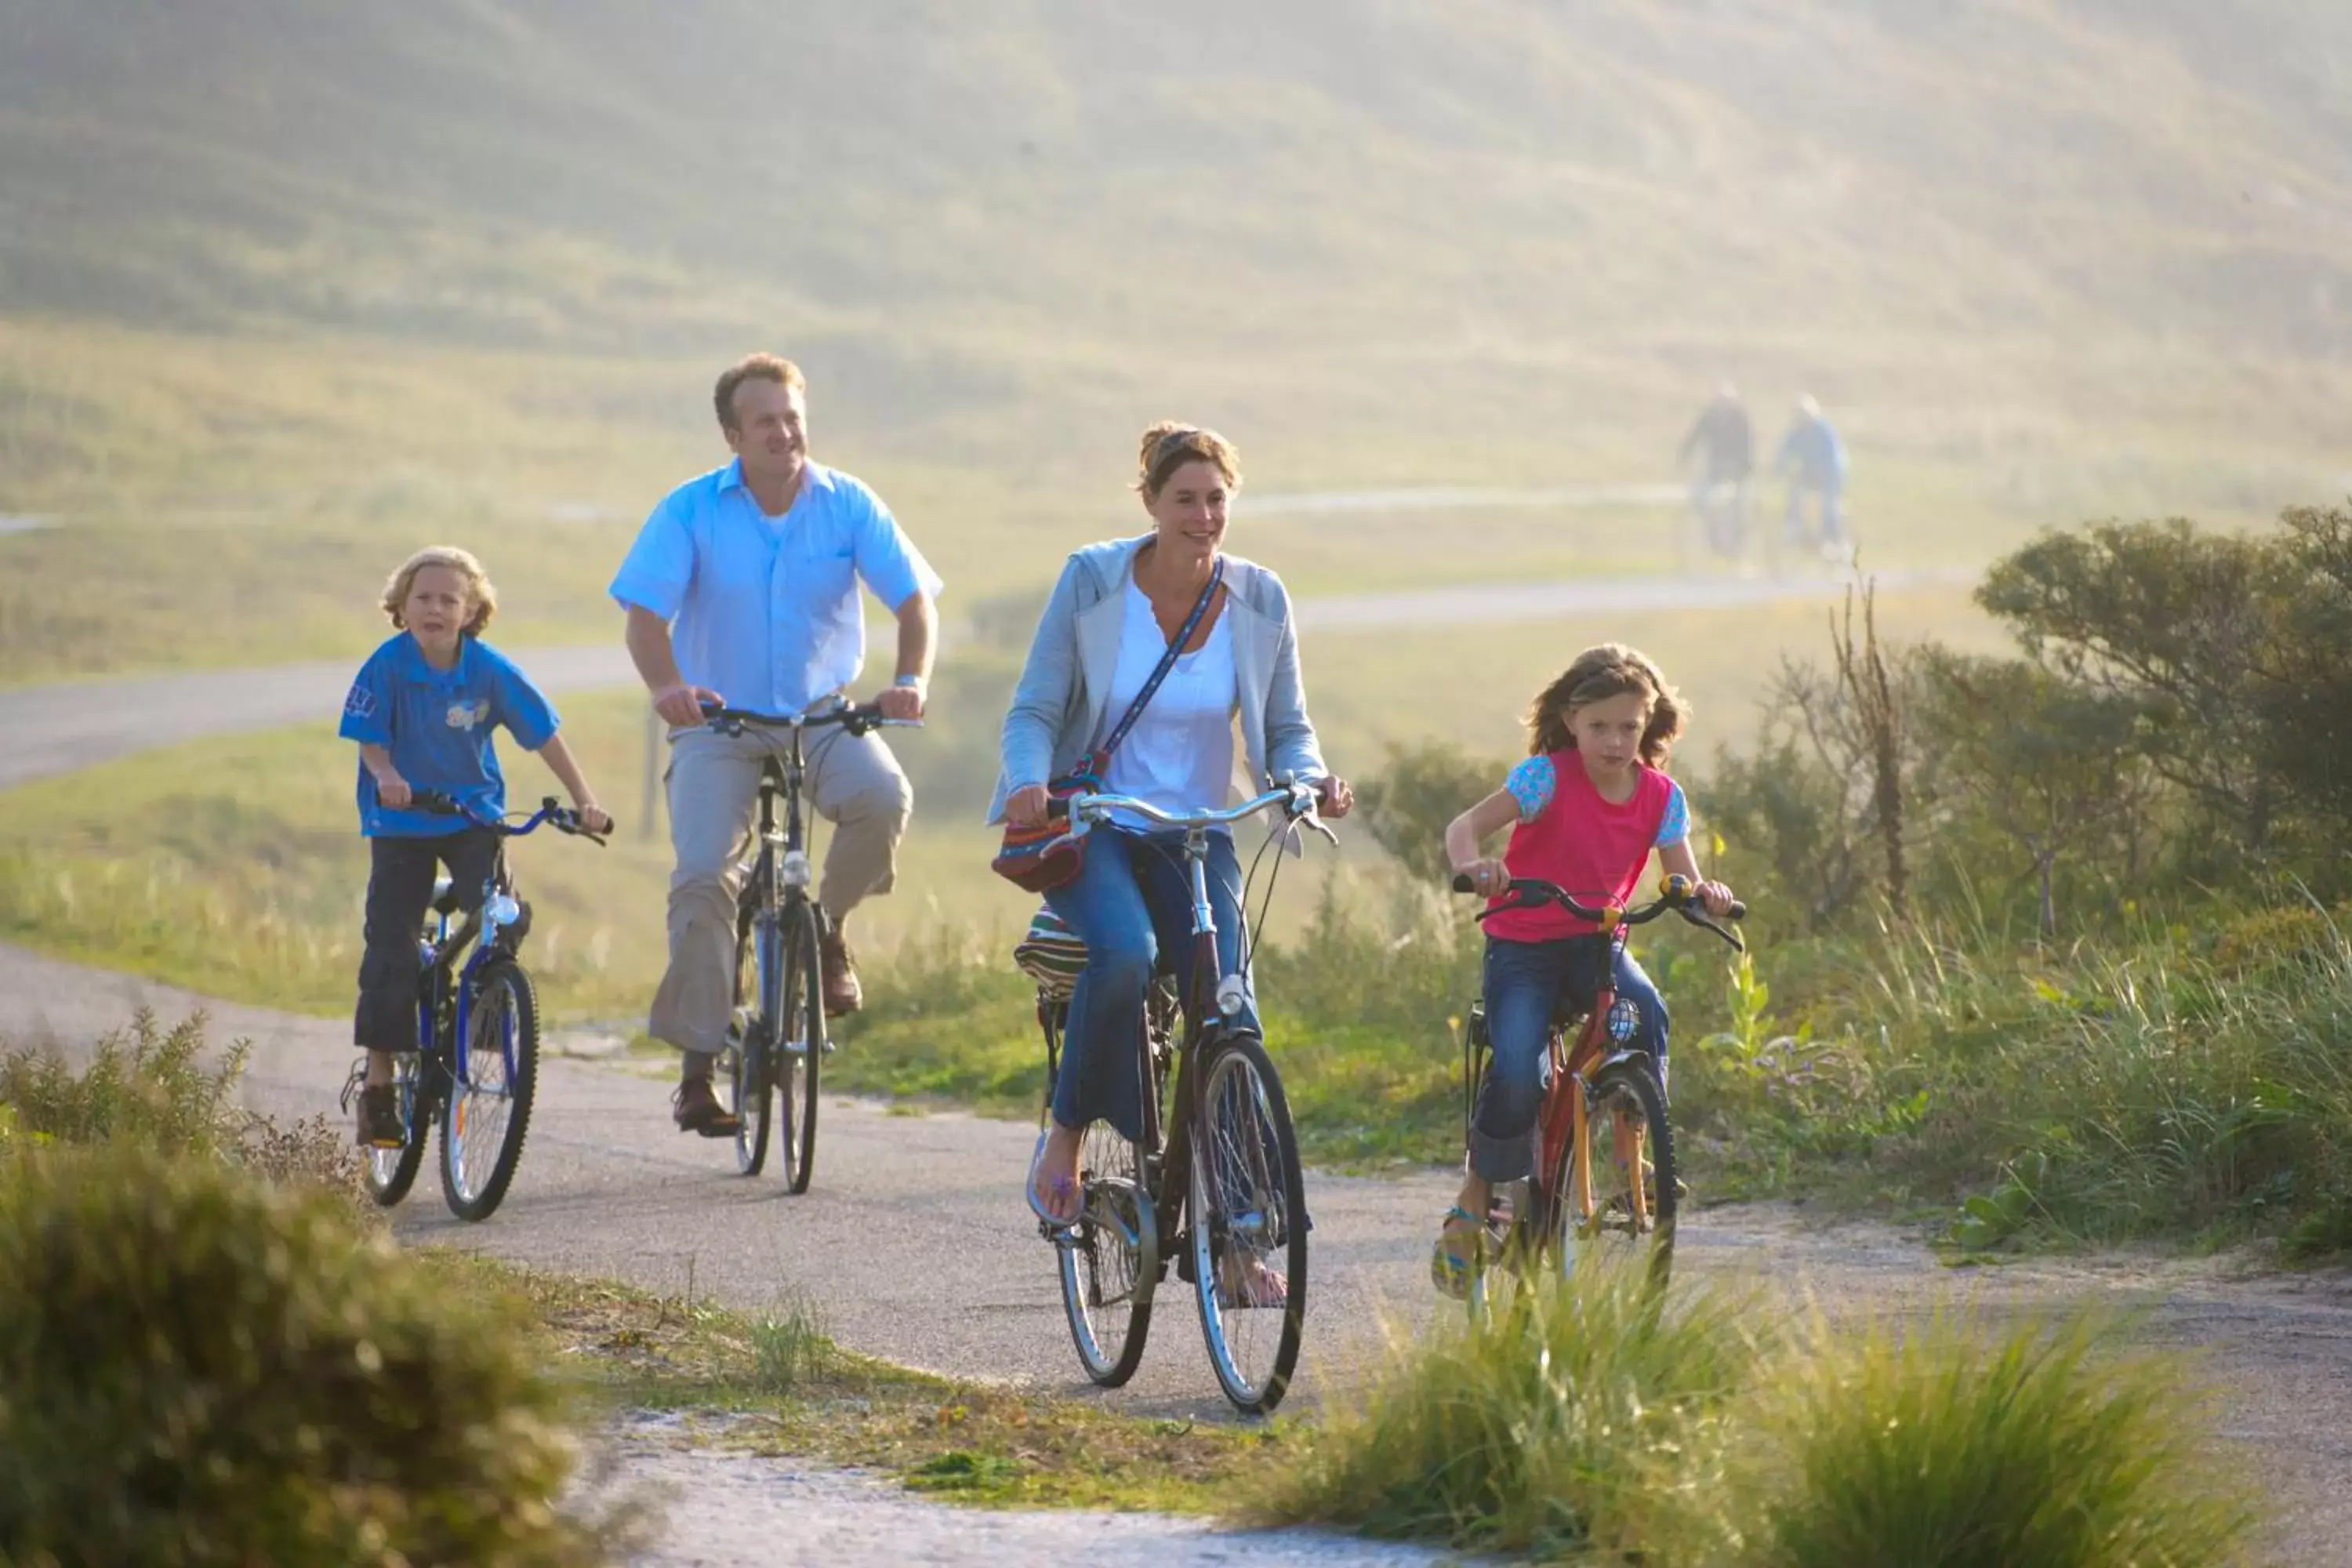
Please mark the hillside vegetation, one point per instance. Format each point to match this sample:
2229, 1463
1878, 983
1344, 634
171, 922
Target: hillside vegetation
1392, 242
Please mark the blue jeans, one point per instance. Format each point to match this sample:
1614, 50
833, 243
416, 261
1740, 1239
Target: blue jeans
1132, 903
1524, 984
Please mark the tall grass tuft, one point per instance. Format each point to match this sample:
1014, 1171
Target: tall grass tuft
790, 1347
1959, 1443
1563, 1425
145, 1084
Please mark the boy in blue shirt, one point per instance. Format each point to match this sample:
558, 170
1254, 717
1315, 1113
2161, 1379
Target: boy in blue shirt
422, 710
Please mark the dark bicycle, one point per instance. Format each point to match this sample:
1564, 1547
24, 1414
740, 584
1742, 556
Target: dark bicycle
1576, 1203
777, 1038
1220, 1153
476, 1066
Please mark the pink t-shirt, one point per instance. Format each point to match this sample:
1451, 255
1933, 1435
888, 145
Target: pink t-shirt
1591, 846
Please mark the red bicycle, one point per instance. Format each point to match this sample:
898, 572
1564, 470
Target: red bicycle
1575, 1204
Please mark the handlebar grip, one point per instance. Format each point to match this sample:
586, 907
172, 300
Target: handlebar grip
1057, 808
1462, 884
1739, 911
433, 802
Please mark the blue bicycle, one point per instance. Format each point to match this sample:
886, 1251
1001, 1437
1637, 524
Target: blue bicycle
476, 1066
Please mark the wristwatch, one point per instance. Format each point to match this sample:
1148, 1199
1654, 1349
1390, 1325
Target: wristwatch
915, 681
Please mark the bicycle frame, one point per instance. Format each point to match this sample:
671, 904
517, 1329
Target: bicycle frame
1216, 997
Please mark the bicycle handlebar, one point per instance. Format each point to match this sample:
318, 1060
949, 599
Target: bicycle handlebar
1675, 894
857, 721
552, 812
1297, 800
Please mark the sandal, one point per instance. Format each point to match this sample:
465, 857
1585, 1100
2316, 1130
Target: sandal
1054, 1220
1253, 1286
1450, 1269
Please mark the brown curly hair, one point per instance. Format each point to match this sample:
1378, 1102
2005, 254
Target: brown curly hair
483, 597
1168, 446
1596, 675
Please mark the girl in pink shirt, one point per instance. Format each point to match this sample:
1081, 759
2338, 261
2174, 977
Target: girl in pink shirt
1586, 809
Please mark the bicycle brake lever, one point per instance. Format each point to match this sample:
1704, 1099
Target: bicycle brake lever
1700, 918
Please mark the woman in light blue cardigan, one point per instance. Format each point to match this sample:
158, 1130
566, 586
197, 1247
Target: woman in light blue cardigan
1110, 619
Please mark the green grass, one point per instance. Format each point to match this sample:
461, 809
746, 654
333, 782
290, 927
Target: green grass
1586, 1425
1970, 1444
776, 1383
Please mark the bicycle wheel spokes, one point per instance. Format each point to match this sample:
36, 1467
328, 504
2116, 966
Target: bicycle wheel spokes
1629, 1214
800, 1049
745, 1070
1110, 1260
1248, 1225
488, 1113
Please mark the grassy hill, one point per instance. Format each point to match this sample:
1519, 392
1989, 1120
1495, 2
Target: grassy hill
373, 272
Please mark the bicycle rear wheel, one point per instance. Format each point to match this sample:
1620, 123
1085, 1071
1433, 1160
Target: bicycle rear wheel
388, 1173
1630, 1171
1248, 1225
800, 1043
746, 1069
1110, 1260
487, 1113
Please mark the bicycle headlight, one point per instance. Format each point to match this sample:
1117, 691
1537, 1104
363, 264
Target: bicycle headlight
500, 908
794, 870
1625, 1020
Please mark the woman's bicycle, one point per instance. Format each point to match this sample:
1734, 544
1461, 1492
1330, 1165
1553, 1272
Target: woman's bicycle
777, 1039
1214, 1182
1582, 1201
476, 1066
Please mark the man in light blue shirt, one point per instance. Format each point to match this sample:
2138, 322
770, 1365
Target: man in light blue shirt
741, 589
1814, 460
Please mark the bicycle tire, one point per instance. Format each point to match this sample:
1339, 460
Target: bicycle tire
800, 1048
1256, 1198
1109, 1267
502, 990
746, 1074
1611, 1235
389, 1173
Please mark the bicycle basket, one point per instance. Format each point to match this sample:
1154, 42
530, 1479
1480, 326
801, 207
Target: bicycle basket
1050, 953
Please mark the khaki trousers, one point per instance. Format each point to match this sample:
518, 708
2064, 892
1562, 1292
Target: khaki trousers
713, 783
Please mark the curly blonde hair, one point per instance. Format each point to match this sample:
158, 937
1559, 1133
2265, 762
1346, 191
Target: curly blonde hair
478, 591
1596, 675
1168, 446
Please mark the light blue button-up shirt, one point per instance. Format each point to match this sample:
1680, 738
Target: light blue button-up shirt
763, 610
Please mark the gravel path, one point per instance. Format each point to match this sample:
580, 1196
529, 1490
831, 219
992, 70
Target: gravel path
744, 1508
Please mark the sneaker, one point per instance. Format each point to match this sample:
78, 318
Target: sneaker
842, 992
697, 1110
379, 1118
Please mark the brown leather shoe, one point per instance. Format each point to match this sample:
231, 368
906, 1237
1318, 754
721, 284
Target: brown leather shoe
842, 992
699, 1110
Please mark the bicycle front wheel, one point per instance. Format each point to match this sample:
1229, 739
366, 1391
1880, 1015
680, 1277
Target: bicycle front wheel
390, 1173
487, 1113
1248, 1225
1622, 1210
746, 1068
800, 1045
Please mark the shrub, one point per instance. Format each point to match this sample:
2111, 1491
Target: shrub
1424, 786
1960, 1444
1562, 1425
143, 1083
196, 1367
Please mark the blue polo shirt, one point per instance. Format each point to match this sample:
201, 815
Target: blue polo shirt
436, 724
763, 610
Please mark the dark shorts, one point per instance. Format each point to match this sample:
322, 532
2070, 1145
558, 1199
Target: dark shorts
400, 889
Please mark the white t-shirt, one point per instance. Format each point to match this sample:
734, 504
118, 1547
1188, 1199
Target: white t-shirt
1180, 754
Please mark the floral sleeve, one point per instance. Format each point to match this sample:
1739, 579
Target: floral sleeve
1675, 826
1530, 784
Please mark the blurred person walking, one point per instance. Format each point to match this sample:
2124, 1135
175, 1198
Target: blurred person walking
1813, 460
1723, 444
